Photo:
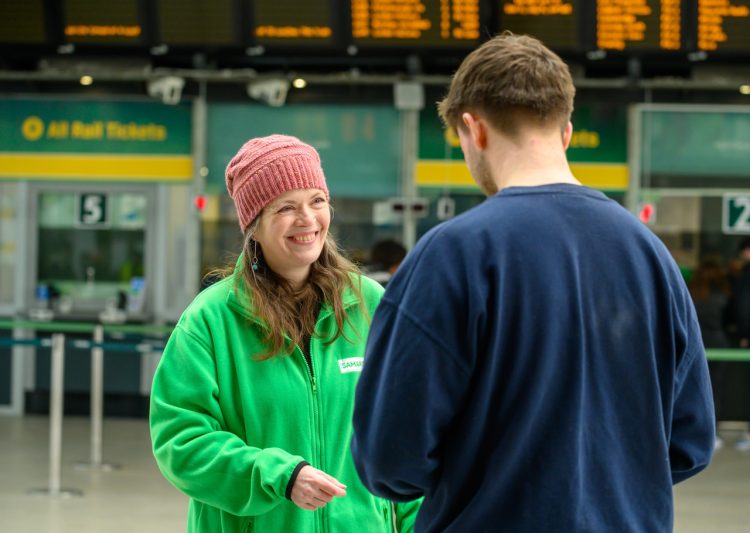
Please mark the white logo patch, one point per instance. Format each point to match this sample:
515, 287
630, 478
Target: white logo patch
351, 364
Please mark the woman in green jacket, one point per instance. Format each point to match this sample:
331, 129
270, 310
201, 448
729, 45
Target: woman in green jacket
252, 401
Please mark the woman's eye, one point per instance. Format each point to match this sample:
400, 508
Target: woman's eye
319, 200
285, 209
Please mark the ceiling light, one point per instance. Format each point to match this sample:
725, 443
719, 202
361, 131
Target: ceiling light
299, 83
86, 80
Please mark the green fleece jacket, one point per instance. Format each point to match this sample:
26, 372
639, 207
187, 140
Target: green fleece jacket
229, 431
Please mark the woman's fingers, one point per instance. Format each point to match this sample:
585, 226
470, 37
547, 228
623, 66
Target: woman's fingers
331, 486
314, 488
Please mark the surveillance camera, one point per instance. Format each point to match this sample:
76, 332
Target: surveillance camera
168, 89
271, 92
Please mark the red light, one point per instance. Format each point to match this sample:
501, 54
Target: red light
646, 213
199, 202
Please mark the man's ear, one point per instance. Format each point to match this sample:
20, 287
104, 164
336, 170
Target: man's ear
477, 129
567, 135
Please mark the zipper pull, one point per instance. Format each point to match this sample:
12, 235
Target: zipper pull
314, 385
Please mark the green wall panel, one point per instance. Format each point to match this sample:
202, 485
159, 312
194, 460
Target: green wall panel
696, 143
599, 135
94, 127
358, 145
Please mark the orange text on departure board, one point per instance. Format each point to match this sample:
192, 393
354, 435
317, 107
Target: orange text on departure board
538, 7
91, 30
621, 23
293, 32
412, 19
711, 17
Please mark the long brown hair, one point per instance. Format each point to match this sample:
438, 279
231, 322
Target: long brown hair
285, 310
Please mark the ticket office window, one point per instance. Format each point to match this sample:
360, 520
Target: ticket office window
8, 244
91, 251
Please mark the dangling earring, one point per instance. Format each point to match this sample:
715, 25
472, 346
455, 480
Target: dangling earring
254, 261
255, 255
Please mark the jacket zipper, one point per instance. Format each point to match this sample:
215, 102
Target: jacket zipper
316, 421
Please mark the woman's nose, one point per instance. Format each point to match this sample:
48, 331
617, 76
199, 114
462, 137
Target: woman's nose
305, 215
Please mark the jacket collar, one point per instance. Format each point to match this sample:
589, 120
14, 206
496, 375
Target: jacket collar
239, 300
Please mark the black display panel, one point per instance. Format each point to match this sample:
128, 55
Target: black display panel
639, 25
724, 26
22, 22
292, 22
415, 23
554, 22
97, 22
196, 22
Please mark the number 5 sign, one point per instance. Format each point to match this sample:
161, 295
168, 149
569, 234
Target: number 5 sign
735, 213
92, 210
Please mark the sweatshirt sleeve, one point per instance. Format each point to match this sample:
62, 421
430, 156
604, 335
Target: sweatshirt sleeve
412, 382
693, 424
194, 451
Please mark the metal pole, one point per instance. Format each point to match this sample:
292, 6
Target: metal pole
409, 148
97, 396
97, 404
56, 413
56, 386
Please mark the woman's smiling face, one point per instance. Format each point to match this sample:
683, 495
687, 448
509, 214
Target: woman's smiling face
291, 232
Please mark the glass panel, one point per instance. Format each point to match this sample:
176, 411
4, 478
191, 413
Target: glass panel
691, 228
87, 267
695, 149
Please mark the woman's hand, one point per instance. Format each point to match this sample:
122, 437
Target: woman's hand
314, 488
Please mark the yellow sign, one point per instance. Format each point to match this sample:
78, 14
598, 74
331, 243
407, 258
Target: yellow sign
32, 128
455, 174
86, 167
451, 137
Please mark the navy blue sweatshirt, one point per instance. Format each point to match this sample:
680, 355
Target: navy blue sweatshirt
535, 365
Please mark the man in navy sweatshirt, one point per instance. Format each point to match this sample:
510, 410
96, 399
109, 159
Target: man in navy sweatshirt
535, 364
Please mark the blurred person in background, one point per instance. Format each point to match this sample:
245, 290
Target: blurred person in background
740, 309
251, 404
385, 257
710, 289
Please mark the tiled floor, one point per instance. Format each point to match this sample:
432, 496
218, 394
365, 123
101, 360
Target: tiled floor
135, 498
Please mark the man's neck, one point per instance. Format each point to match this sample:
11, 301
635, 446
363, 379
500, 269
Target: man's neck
532, 161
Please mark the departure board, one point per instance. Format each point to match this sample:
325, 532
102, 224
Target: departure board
195, 22
554, 22
292, 22
96, 22
648, 25
421, 23
22, 22
724, 25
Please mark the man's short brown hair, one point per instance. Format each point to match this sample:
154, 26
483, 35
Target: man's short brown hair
511, 80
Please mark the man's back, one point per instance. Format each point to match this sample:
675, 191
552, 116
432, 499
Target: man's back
543, 341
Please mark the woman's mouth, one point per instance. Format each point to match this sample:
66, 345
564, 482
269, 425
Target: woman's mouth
304, 238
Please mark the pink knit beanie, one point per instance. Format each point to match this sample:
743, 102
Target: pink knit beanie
265, 167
